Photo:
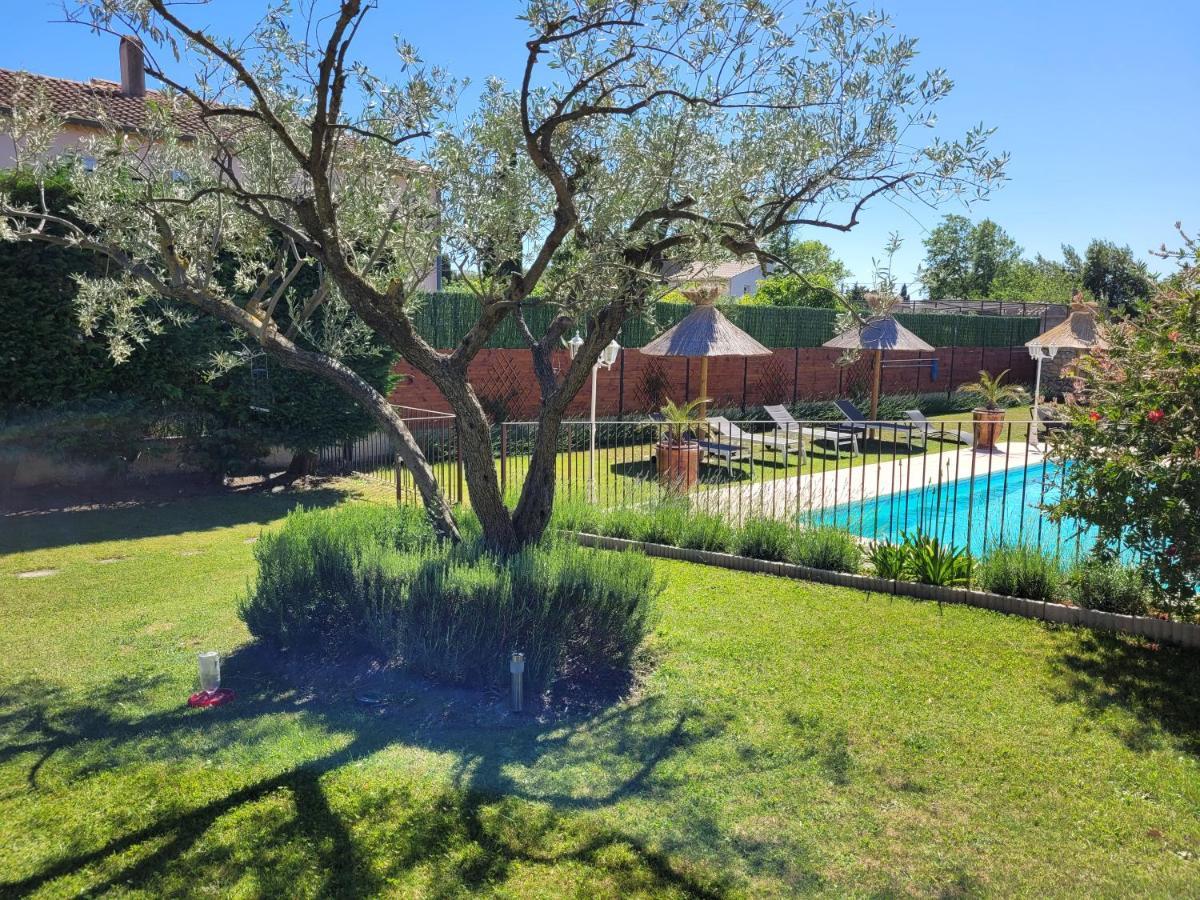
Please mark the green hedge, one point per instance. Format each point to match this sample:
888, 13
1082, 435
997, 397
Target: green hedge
444, 318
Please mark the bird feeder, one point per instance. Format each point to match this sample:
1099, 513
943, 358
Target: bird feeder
211, 693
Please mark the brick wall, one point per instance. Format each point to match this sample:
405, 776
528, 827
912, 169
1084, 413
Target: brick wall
636, 384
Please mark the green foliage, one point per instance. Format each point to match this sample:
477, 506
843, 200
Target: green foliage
683, 419
827, 548
816, 285
1110, 586
762, 538
1132, 451
932, 562
1021, 571
311, 571
706, 531
665, 523
964, 260
49, 360
994, 393
889, 560
1040, 280
923, 559
369, 577
109, 432
1111, 274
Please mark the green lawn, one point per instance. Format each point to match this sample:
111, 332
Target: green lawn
790, 738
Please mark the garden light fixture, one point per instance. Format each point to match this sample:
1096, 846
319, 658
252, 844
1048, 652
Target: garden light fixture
516, 667
608, 356
211, 693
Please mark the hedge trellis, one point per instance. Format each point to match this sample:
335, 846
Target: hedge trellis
442, 319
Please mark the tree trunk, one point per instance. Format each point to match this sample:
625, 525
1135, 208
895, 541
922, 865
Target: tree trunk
537, 495
441, 516
302, 464
479, 465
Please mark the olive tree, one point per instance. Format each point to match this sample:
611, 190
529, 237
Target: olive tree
635, 132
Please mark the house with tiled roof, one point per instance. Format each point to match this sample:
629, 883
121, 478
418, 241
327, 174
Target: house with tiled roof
84, 107
731, 278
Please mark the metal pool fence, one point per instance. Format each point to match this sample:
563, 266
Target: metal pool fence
878, 480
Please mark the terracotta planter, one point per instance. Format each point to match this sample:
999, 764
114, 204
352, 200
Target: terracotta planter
678, 465
988, 425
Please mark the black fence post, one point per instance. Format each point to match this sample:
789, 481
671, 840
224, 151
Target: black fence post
621, 388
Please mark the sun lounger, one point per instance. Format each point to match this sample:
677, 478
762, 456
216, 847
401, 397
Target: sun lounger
839, 434
900, 431
767, 440
938, 430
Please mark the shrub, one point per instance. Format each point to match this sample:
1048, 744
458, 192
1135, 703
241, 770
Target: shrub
1021, 571
623, 523
932, 562
889, 560
763, 539
1110, 586
706, 531
365, 577
827, 548
574, 514
309, 571
664, 523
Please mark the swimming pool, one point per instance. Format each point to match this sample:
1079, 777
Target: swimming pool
977, 513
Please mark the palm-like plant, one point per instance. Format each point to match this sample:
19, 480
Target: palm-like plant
994, 393
683, 419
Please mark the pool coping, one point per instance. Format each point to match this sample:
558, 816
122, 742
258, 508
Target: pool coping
1184, 634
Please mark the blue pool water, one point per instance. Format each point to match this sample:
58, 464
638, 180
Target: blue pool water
976, 513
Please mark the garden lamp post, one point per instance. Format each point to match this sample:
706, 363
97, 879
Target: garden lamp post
1041, 353
608, 356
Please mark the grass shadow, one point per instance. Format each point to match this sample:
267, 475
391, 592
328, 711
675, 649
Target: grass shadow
487, 820
1156, 687
23, 532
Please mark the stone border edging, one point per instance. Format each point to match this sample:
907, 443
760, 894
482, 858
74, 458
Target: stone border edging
1185, 634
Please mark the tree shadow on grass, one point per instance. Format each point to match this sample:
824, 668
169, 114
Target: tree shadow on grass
1156, 687
22, 532
490, 823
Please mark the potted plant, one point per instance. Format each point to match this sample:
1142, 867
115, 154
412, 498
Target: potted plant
678, 452
995, 394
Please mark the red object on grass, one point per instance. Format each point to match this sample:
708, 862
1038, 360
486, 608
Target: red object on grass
205, 699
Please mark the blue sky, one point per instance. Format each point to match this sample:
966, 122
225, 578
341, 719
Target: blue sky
1094, 100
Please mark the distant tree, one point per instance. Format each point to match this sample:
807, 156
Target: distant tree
1041, 279
1112, 275
813, 280
964, 260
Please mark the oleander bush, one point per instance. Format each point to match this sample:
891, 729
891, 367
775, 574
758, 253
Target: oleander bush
827, 548
1022, 571
1110, 586
373, 578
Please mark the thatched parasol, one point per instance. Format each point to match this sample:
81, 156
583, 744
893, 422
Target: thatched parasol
1079, 332
878, 335
704, 332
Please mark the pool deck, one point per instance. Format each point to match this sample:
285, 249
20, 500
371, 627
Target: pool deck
786, 498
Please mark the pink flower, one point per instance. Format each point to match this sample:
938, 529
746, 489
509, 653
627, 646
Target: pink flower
1155, 416
1173, 336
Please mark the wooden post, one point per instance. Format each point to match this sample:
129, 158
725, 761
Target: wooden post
875, 387
703, 387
